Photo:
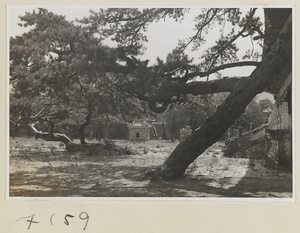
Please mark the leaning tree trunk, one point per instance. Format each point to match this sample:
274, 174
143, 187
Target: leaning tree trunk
277, 63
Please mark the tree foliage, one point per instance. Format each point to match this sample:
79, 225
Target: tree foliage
257, 113
67, 67
62, 74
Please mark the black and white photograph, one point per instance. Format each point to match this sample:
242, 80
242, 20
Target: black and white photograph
150, 102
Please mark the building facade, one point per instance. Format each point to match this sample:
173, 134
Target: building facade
280, 127
139, 130
144, 130
272, 140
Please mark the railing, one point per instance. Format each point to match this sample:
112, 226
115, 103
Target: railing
256, 133
238, 140
278, 119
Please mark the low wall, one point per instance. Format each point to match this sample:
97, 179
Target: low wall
279, 145
139, 133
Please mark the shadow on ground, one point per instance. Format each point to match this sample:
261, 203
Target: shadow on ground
63, 174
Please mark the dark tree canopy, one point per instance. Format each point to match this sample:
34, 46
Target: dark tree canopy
170, 80
62, 74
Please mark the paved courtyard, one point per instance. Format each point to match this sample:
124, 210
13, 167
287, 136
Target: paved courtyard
240, 177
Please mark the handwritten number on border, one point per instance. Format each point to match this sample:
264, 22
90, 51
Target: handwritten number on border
30, 221
51, 218
82, 216
66, 220
87, 217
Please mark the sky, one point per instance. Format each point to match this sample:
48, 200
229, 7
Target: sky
158, 47
162, 36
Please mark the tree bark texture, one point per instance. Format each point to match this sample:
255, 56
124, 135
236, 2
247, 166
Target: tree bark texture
82, 128
276, 63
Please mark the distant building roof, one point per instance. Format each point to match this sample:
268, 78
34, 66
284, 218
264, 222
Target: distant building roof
140, 122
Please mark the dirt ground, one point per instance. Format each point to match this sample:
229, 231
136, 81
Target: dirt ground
44, 169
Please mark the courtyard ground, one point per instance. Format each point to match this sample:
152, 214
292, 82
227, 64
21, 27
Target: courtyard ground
44, 169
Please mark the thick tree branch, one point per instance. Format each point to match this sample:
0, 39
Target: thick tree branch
205, 87
159, 100
47, 136
221, 67
169, 93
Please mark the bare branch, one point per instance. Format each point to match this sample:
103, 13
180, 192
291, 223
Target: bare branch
199, 32
246, 27
38, 114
